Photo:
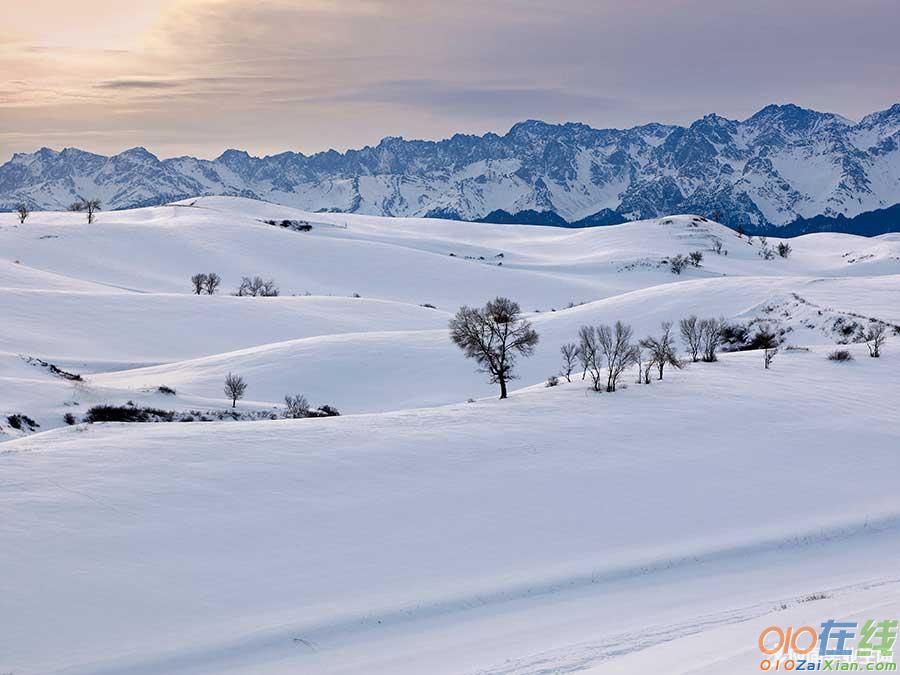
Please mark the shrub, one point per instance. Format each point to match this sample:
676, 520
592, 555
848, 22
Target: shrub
552, 381
326, 411
840, 355
784, 249
126, 413
20, 421
678, 263
695, 258
163, 389
69, 419
296, 406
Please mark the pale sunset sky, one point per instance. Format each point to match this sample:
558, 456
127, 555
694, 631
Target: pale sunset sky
199, 76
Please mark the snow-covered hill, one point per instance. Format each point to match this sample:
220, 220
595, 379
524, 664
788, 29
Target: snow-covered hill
431, 528
781, 164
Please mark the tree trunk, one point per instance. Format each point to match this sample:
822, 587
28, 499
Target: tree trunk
234, 403
502, 387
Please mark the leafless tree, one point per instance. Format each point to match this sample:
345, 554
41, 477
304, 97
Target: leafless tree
662, 349
296, 406
784, 249
212, 283
678, 263
23, 213
718, 246
875, 337
256, 287
591, 356
88, 206
198, 281
616, 346
587, 347
495, 336
569, 353
768, 342
234, 388
711, 337
691, 334
695, 258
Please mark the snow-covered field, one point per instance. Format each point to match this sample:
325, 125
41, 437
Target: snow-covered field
431, 528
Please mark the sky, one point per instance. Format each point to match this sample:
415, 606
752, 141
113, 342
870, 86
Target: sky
199, 76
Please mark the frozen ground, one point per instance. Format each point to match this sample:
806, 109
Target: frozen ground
657, 529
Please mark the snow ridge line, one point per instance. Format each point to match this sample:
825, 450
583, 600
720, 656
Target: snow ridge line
284, 641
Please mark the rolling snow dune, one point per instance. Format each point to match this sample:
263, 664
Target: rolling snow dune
166, 327
379, 371
293, 545
558, 531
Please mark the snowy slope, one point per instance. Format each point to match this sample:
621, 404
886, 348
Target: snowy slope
558, 531
780, 164
389, 543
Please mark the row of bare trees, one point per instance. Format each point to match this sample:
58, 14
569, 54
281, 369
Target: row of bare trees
206, 282
497, 335
87, 206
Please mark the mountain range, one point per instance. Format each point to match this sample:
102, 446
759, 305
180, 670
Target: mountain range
785, 168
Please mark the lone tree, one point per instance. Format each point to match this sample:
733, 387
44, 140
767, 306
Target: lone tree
198, 281
234, 388
691, 334
875, 337
768, 342
711, 337
23, 213
569, 353
590, 354
616, 346
212, 283
662, 349
495, 336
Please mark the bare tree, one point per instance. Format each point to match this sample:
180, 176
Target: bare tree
569, 353
587, 346
257, 287
234, 388
23, 213
662, 349
212, 283
296, 406
768, 342
784, 249
875, 337
615, 344
495, 336
88, 206
590, 355
718, 246
711, 337
198, 281
691, 334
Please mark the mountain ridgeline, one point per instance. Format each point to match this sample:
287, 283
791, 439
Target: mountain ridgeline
785, 169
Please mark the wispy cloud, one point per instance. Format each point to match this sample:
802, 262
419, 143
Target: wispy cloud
195, 74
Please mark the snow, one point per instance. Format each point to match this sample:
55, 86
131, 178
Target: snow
656, 529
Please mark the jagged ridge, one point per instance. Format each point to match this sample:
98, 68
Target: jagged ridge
782, 164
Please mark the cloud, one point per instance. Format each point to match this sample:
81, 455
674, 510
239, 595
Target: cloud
319, 73
136, 84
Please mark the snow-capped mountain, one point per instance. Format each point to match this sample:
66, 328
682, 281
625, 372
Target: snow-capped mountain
782, 164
